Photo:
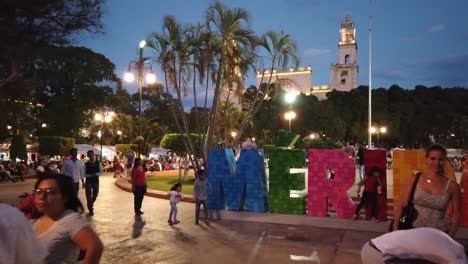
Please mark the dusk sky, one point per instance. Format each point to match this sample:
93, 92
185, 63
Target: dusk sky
413, 41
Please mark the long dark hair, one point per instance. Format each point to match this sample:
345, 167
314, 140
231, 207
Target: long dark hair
137, 162
177, 185
66, 187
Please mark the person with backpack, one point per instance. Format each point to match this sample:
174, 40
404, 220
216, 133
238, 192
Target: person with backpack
93, 169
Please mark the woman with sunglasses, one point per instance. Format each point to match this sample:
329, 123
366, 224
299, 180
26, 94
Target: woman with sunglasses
59, 224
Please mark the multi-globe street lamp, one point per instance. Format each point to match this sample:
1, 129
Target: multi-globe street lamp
378, 131
141, 66
289, 116
119, 134
102, 118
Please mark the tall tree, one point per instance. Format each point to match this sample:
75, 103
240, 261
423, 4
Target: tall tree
28, 26
237, 43
71, 82
172, 46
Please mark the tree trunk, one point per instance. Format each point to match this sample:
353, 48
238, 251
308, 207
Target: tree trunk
255, 107
205, 154
209, 139
191, 148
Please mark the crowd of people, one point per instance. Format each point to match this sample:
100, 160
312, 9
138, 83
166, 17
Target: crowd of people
59, 233
12, 171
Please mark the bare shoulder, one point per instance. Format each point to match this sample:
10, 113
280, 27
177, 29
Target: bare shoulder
454, 187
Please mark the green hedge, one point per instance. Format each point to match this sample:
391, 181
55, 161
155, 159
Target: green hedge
18, 148
55, 145
175, 143
126, 148
323, 143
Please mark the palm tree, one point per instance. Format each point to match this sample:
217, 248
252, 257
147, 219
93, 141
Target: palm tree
282, 51
237, 42
172, 47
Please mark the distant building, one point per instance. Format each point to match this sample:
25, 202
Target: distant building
343, 75
296, 80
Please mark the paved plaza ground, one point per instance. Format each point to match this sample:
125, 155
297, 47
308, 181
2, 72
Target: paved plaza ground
150, 239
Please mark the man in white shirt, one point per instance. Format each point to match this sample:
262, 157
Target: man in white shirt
74, 168
418, 245
18, 242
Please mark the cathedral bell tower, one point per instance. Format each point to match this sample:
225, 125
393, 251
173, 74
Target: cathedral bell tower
343, 74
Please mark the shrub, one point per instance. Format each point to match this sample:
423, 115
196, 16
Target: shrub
55, 145
126, 148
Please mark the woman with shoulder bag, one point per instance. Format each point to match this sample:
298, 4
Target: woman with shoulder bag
433, 193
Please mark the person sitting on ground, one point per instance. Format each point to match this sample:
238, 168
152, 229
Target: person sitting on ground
4, 174
39, 167
53, 167
420, 245
59, 225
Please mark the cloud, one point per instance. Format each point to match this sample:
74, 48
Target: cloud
313, 52
437, 28
445, 71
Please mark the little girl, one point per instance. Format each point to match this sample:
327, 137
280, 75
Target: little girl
175, 196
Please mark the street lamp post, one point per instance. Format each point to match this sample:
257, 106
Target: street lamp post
378, 131
370, 75
289, 116
150, 78
106, 119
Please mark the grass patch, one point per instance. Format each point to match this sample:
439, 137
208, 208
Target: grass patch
164, 183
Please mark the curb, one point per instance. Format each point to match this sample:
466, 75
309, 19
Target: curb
324, 222
123, 184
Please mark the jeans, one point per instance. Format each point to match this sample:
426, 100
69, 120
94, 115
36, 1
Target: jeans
173, 213
138, 195
368, 198
198, 204
361, 171
92, 191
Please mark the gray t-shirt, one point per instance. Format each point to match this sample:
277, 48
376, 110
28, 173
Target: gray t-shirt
200, 190
58, 240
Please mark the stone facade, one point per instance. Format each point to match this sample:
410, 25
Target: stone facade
293, 80
344, 74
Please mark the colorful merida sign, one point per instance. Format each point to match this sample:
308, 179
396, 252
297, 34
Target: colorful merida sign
243, 185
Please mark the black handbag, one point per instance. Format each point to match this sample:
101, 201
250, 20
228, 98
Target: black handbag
408, 213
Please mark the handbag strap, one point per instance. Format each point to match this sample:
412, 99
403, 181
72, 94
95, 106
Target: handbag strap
413, 188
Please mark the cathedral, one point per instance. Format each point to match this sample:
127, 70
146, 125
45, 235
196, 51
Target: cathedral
343, 75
